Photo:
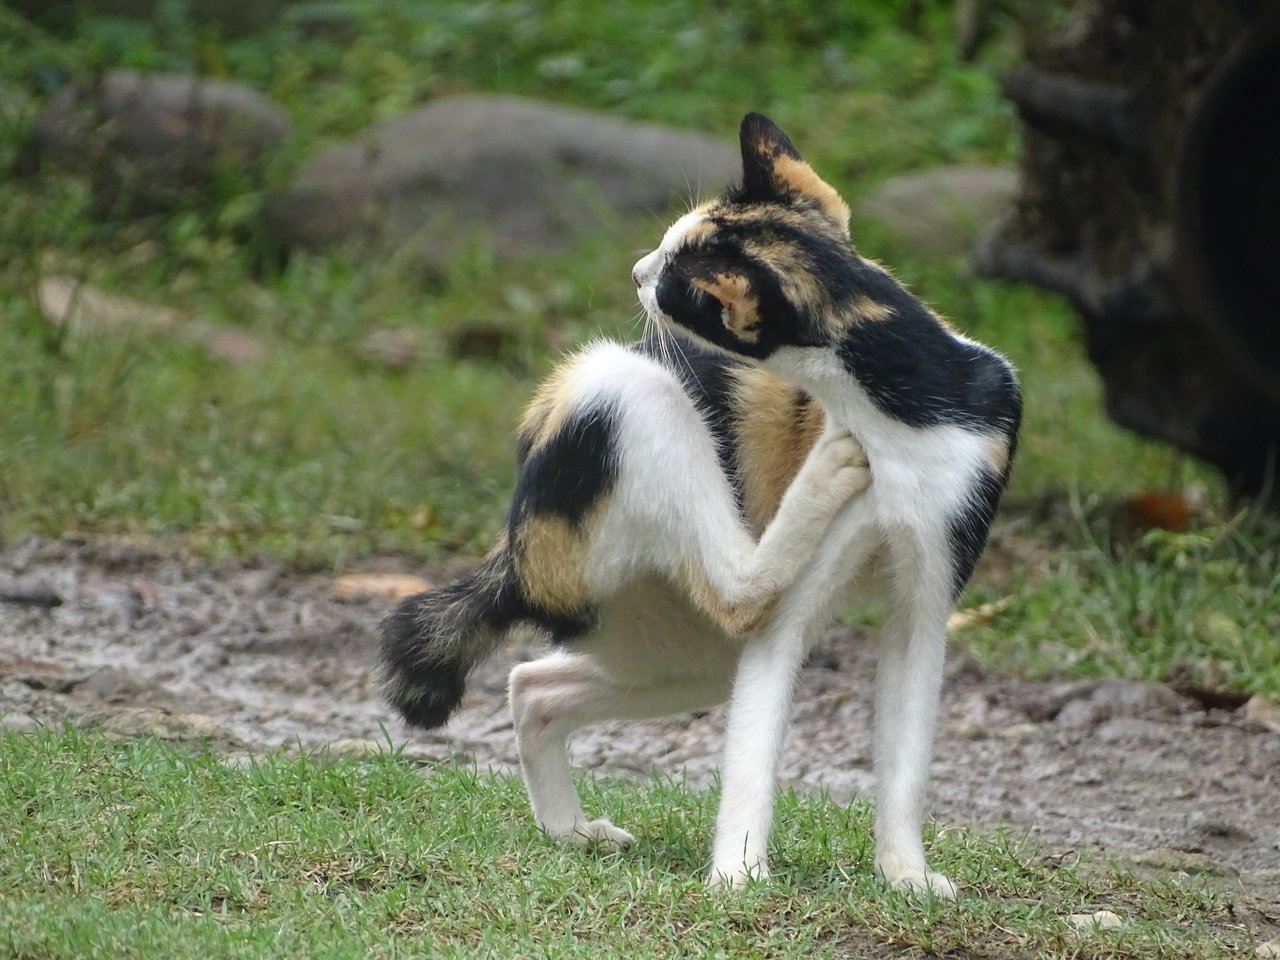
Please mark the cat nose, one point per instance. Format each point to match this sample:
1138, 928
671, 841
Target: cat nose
635, 275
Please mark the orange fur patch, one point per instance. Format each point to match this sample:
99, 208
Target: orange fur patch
551, 560
998, 454
868, 309
775, 425
739, 306
796, 175
734, 619
549, 408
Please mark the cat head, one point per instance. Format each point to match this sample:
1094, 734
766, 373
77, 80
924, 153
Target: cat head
765, 266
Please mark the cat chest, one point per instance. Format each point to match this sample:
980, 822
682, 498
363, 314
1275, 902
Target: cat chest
926, 471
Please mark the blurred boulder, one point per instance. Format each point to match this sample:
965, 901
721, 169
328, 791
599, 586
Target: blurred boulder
941, 212
146, 139
524, 175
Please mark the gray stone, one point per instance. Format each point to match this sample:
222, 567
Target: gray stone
130, 722
524, 175
18, 722
1086, 923
146, 137
941, 212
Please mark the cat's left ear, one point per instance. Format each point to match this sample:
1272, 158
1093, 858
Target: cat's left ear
772, 169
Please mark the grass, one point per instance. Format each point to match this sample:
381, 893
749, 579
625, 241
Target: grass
318, 452
141, 849
321, 453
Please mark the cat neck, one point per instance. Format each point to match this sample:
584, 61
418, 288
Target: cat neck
906, 368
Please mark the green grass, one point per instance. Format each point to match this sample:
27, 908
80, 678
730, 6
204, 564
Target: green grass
321, 455
317, 453
142, 850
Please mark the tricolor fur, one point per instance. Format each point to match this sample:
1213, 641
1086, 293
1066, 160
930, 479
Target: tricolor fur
690, 510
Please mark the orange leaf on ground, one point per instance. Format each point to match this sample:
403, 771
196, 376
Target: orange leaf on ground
386, 586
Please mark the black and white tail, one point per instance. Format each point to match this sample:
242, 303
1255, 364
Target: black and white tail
431, 641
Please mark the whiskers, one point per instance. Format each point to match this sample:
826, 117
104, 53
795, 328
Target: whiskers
671, 352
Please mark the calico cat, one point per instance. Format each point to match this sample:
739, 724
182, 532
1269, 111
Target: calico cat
646, 473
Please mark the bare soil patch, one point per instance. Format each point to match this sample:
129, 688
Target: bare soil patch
255, 657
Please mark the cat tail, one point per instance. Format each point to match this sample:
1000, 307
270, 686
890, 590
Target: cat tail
431, 641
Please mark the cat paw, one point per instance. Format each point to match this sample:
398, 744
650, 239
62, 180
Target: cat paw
924, 881
736, 877
841, 469
600, 834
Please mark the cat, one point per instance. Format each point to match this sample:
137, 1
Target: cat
647, 472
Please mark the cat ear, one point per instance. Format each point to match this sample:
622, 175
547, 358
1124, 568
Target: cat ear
739, 305
772, 169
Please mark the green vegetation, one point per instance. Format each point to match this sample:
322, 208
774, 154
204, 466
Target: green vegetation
316, 452
139, 850
319, 452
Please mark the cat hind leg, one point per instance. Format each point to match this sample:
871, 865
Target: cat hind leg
558, 694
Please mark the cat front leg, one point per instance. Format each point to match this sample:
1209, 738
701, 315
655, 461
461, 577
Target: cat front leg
741, 594
760, 706
912, 651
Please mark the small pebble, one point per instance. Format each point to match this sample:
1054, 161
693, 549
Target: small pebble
1084, 923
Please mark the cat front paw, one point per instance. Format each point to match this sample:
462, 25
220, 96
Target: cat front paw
841, 469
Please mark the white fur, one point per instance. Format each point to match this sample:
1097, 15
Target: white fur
652, 653
921, 478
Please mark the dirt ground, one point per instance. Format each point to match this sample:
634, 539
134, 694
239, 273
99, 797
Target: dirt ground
255, 657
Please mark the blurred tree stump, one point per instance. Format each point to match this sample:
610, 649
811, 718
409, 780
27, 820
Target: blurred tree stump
1151, 200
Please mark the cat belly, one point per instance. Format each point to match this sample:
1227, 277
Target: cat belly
649, 632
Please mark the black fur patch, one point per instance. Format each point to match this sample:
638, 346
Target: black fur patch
571, 471
915, 371
565, 477
430, 642
967, 531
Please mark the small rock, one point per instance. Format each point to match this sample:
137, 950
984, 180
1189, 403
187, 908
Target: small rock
384, 586
941, 211
17, 722
983, 613
149, 138
970, 730
1264, 712
66, 302
1022, 732
397, 348
234, 346
29, 594
1269, 949
112, 685
1086, 923
81, 307
161, 724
